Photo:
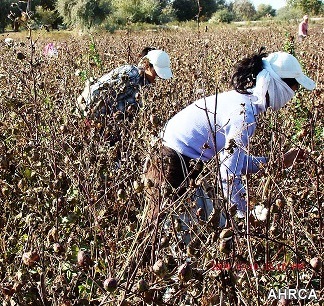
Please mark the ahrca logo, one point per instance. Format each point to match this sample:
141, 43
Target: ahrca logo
292, 294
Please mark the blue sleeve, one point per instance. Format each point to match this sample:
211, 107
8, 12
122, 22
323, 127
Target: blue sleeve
252, 163
234, 159
231, 175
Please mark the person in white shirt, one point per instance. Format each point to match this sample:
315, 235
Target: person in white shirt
223, 124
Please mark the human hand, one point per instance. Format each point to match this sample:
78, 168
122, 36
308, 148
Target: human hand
292, 155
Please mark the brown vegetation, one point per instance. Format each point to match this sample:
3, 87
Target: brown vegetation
73, 224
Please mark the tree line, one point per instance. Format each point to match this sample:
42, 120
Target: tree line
113, 14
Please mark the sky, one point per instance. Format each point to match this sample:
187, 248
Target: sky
276, 4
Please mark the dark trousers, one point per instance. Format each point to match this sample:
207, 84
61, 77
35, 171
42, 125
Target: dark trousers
169, 173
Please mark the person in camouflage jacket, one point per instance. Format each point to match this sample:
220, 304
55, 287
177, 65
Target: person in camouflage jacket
118, 89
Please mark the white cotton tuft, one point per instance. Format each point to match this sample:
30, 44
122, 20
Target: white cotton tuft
260, 212
9, 41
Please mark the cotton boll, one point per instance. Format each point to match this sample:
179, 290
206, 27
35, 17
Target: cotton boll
199, 91
110, 284
316, 263
9, 42
260, 212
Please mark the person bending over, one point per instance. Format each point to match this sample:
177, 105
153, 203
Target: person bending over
118, 89
224, 124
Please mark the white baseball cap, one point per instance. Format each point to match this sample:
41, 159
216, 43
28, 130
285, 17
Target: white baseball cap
287, 66
161, 63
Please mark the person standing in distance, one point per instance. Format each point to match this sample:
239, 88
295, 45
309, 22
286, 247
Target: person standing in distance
303, 29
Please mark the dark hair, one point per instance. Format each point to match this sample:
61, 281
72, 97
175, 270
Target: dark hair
246, 71
146, 50
290, 82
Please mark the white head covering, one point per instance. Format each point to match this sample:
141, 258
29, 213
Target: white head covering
161, 63
276, 66
268, 81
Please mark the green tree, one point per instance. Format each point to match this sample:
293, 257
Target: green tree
185, 9
149, 11
189, 9
288, 13
265, 10
83, 13
7, 6
4, 12
46, 12
223, 15
46, 16
167, 14
313, 7
65, 7
136, 10
45, 4
244, 10
17, 13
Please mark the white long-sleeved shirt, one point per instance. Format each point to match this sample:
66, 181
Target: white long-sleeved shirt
198, 128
